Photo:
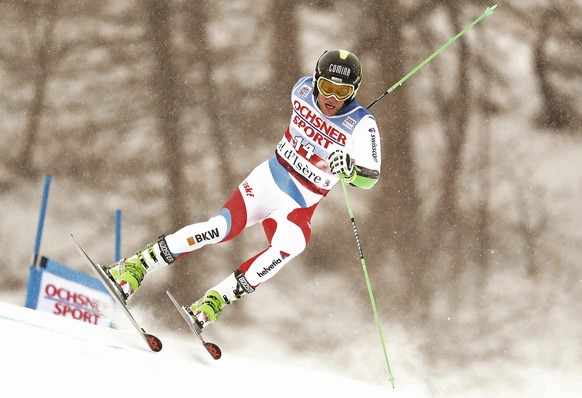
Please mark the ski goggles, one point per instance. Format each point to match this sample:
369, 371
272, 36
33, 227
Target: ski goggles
340, 91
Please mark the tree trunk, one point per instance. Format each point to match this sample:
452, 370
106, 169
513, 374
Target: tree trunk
42, 69
449, 216
198, 35
556, 112
286, 58
395, 215
170, 147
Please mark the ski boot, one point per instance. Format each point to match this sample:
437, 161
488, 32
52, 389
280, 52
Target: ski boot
208, 308
129, 273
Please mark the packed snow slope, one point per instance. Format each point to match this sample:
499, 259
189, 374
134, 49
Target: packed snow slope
47, 355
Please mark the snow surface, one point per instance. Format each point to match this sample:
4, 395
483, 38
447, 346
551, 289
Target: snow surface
47, 355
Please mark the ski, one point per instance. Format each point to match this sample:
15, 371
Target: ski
152, 341
212, 348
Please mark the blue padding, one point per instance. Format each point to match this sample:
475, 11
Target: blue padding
33, 287
284, 182
224, 212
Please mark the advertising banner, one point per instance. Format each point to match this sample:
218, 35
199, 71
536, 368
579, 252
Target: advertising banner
62, 291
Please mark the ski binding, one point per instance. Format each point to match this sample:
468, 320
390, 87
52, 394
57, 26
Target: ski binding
212, 348
154, 343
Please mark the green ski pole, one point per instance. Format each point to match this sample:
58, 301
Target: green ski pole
399, 83
368, 283
391, 378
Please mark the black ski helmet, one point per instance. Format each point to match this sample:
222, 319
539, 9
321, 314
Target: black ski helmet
339, 66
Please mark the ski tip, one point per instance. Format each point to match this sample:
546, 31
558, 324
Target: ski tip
213, 350
154, 343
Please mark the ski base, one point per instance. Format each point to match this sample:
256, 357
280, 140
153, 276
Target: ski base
154, 343
212, 348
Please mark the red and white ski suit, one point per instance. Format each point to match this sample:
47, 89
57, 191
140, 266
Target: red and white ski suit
284, 191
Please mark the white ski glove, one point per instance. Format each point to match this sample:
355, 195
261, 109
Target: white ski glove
341, 165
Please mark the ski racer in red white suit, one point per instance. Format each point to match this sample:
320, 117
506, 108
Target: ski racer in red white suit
330, 136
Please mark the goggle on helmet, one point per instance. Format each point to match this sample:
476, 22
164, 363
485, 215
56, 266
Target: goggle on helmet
338, 73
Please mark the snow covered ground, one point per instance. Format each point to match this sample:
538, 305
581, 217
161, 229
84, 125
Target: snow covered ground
47, 355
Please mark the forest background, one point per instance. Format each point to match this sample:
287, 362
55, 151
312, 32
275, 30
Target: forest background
161, 107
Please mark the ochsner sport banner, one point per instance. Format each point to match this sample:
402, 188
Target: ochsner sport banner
55, 288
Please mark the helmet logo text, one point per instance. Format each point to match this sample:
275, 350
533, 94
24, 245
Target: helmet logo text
340, 69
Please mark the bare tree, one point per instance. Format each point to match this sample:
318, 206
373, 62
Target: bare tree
396, 201
165, 77
209, 100
558, 35
455, 113
44, 16
285, 59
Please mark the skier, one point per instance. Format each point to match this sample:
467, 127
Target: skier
330, 137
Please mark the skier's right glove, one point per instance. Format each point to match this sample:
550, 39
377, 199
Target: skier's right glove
341, 164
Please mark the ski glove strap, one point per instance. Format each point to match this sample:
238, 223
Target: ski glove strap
341, 164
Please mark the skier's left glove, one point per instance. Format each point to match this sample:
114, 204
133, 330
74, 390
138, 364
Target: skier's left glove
341, 164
